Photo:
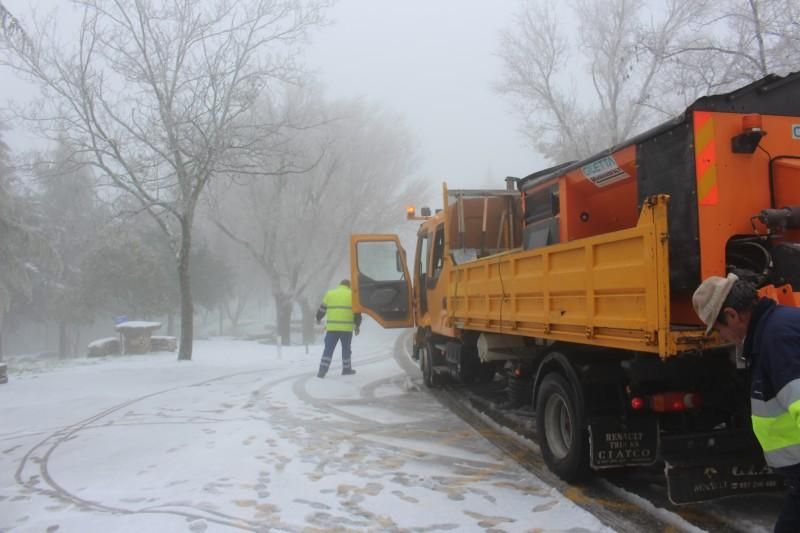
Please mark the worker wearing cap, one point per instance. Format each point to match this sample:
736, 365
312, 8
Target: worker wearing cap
341, 323
769, 335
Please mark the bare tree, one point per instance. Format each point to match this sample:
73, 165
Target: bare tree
297, 227
153, 93
740, 41
634, 62
10, 25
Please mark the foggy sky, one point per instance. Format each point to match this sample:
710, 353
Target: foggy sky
432, 61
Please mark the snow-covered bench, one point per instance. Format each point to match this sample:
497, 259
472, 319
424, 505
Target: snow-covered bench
136, 335
163, 344
102, 347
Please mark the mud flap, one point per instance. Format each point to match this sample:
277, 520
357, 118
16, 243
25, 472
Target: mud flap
614, 442
695, 482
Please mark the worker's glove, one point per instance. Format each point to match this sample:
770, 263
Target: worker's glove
356, 330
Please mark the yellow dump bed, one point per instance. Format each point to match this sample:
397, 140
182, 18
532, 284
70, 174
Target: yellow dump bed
611, 290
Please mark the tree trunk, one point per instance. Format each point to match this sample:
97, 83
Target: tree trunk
63, 341
308, 321
283, 314
76, 341
236, 314
2, 331
187, 309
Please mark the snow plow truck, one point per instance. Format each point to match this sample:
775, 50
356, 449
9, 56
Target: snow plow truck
574, 285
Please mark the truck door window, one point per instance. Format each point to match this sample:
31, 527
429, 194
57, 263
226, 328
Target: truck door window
438, 253
382, 285
423, 258
422, 255
379, 261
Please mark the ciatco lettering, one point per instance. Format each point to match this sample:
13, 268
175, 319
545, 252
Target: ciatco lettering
616, 455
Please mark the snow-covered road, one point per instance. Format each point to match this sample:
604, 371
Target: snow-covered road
245, 438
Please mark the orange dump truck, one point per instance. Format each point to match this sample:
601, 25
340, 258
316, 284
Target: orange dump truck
573, 287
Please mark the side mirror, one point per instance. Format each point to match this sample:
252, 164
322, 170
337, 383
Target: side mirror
425, 211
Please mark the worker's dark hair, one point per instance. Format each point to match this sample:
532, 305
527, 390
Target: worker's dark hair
743, 298
345, 282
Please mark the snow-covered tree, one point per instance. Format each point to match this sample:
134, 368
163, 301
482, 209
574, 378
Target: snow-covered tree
593, 73
71, 218
127, 271
296, 227
740, 41
152, 93
23, 249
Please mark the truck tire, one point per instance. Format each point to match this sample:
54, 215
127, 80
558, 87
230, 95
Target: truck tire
486, 372
426, 363
561, 429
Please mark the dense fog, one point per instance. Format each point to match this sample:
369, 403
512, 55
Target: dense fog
202, 164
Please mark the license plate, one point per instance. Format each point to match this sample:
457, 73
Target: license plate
616, 442
706, 481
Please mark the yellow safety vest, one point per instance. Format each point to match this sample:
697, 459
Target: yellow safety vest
339, 308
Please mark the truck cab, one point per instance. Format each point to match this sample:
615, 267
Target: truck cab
474, 224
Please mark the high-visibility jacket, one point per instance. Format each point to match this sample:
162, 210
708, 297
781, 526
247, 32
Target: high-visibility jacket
338, 305
773, 343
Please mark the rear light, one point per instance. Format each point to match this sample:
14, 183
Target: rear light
667, 402
637, 403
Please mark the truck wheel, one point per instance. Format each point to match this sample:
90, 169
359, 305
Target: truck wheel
561, 429
486, 372
429, 377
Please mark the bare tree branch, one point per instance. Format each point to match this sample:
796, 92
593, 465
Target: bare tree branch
156, 93
644, 60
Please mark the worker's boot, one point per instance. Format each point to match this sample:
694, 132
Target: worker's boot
321, 373
348, 372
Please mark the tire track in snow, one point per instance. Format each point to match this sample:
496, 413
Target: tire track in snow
39, 456
364, 427
602, 498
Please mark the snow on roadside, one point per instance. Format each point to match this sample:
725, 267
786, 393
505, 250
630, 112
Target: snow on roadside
665, 515
246, 437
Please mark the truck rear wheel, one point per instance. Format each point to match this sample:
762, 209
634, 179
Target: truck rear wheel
561, 429
486, 372
426, 362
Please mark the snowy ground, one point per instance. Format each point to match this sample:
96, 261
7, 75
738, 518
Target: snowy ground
243, 437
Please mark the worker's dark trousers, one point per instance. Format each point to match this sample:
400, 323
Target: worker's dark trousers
789, 519
331, 338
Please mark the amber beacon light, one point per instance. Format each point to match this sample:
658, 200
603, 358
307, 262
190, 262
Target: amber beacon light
747, 141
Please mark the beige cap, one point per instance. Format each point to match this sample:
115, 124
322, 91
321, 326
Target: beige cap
709, 297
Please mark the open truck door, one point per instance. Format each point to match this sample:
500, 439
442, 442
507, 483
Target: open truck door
380, 280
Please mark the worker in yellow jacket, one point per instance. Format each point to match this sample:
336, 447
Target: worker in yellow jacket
340, 326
